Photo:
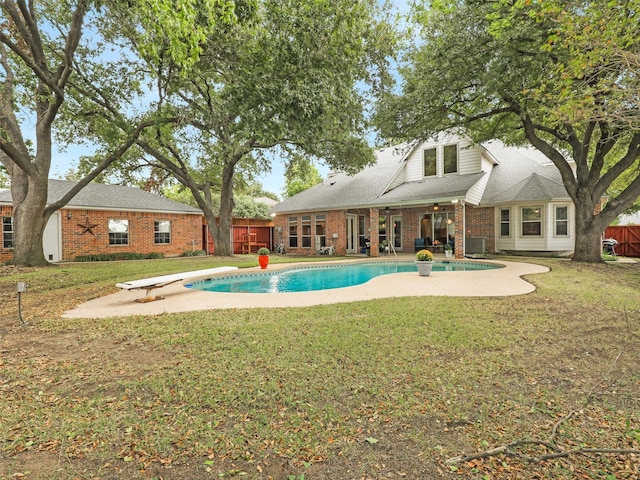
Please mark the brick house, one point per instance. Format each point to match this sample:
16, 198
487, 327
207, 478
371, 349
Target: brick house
478, 198
104, 219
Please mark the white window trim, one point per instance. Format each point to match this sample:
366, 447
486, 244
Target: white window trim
293, 221
500, 222
12, 232
457, 158
305, 221
541, 221
128, 232
555, 221
424, 151
155, 232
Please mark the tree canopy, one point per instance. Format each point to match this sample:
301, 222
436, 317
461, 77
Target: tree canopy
287, 79
300, 175
43, 52
558, 75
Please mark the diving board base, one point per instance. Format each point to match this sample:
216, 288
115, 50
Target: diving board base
151, 284
151, 297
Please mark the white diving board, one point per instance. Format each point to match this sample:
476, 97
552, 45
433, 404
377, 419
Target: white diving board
150, 284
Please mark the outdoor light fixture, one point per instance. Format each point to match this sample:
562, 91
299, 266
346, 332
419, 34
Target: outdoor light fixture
68, 215
436, 206
21, 288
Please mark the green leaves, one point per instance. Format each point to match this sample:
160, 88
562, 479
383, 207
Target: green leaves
558, 75
179, 28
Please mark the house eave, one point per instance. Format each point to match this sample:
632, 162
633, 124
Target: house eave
526, 201
142, 210
410, 149
385, 204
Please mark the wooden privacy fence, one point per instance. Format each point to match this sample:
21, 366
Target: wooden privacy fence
628, 237
247, 235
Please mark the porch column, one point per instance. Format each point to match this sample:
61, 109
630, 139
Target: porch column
458, 209
374, 232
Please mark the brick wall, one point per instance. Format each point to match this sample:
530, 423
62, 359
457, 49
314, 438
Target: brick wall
186, 233
81, 237
334, 223
480, 222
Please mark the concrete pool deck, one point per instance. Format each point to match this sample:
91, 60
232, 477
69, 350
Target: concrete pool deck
177, 298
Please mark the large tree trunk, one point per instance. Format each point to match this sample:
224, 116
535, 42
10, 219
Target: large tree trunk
588, 246
222, 232
29, 202
589, 229
43, 76
219, 228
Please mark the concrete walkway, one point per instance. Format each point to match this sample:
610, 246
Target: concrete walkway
177, 298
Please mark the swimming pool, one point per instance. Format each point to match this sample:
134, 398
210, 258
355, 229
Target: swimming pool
321, 277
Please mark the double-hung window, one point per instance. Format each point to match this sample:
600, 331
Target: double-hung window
531, 221
306, 231
293, 232
7, 232
450, 156
448, 161
162, 231
562, 221
118, 232
382, 230
505, 222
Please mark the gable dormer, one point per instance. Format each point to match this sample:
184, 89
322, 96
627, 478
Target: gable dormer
438, 161
444, 156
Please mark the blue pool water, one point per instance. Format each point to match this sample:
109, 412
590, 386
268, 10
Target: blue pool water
321, 277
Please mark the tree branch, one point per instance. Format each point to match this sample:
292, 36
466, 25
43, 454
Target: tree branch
550, 443
97, 170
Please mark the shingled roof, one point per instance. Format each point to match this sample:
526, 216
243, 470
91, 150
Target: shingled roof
98, 196
370, 187
522, 175
432, 188
340, 190
519, 174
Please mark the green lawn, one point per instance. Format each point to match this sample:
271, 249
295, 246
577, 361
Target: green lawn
380, 389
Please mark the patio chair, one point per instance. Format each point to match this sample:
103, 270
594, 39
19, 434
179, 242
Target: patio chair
330, 250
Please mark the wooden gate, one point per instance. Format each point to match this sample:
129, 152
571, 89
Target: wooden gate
628, 237
247, 235
249, 238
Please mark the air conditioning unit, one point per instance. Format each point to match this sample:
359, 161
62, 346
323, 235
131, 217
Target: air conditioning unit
475, 245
